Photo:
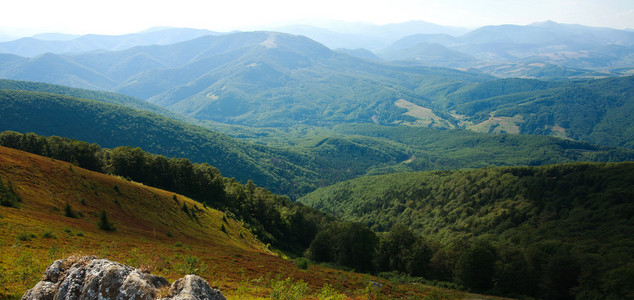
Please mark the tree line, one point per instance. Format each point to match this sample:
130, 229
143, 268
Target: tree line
274, 218
470, 238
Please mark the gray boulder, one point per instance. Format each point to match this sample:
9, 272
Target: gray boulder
88, 277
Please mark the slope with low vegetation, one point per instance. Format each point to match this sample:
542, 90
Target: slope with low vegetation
63, 208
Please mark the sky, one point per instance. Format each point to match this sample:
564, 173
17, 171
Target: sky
27, 17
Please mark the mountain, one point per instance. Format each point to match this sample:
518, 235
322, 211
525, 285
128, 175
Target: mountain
517, 222
429, 54
58, 43
596, 111
114, 125
291, 161
269, 79
359, 53
106, 97
246, 78
53, 69
61, 205
336, 34
507, 50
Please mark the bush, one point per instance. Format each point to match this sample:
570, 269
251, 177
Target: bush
287, 289
48, 235
25, 236
328, 292
8, 197
191, 265
104, 223
302, 263
69, 212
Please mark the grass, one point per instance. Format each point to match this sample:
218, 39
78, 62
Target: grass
152, 234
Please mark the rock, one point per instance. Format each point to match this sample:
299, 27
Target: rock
193, 287
88, 277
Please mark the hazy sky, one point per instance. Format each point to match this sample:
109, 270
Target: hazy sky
20, 17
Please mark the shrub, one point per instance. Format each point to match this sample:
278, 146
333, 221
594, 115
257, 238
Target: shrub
287, 289
69, 212
302, 263
25, 236
104, 223
191, 265
328, 292
8, 197
26, 270
48, 235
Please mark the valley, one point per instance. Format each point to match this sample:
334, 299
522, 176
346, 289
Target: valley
429, 164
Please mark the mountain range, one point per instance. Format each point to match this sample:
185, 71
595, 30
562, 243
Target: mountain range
527, 182
301, 162
62, 43
271, 79
539, 50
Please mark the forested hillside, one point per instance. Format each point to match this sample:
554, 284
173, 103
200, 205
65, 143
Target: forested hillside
557, 232
107, 97
114, 125
598, 111
290, 168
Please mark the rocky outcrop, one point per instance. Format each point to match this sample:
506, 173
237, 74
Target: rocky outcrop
87, 278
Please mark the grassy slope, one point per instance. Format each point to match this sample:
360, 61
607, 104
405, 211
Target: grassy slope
235, 261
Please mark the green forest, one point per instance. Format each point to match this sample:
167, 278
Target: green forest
555, 232
404, 169
505, 214
292, 161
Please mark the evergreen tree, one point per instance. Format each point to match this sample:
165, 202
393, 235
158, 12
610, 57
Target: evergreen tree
104, 223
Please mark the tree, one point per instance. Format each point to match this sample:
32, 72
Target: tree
395, 249
356, 247
8, 197
322, 249
69, 212
476, 267
104, 223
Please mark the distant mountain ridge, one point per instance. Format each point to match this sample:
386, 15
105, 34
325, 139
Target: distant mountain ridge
59, 43
369, 36
598, 51
272, 79
226, 78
